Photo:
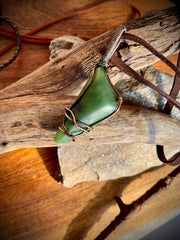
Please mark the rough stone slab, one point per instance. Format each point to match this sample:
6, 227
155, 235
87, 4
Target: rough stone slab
138, 94
104, 162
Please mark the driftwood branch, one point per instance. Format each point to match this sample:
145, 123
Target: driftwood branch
32, 108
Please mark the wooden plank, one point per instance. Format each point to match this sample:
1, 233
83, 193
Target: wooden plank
34, 205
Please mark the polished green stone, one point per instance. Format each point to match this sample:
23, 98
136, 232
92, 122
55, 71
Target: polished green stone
98, 101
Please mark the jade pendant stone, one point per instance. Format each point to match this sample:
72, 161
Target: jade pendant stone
98, 101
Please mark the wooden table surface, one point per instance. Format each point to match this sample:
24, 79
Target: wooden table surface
32, 204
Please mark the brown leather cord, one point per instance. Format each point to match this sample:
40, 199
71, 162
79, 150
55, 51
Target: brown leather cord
129, 71
141, 41
171, 97
174, 91
167, 109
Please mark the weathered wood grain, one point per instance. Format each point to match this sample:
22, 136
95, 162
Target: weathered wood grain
32, 108
85, 26
34, 206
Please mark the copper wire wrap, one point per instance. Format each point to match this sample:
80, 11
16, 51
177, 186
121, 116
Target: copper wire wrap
72, 118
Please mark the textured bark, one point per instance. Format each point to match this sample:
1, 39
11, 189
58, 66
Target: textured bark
32, 108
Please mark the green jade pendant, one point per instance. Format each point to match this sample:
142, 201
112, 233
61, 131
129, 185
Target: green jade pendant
97, 101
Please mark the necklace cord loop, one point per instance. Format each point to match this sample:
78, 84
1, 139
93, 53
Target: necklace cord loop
18, 43
171, 98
